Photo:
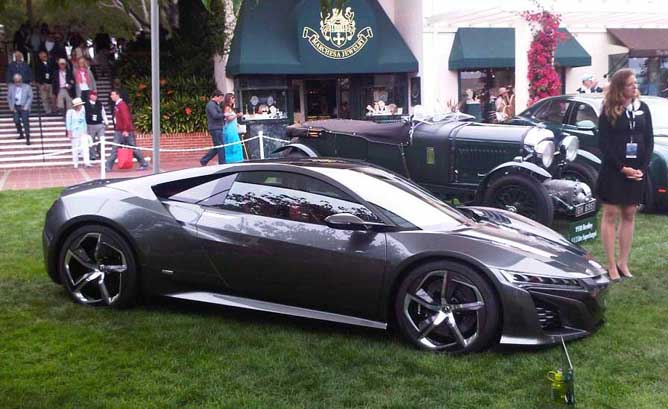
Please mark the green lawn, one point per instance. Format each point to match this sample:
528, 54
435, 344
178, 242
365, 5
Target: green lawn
55, 354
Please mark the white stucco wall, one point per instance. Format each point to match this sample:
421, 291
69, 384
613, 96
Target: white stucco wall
599, 44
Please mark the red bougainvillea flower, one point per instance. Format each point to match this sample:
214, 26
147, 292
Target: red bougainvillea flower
142, 86
188, 111
138, 94
170, 91
163, 82
544, 81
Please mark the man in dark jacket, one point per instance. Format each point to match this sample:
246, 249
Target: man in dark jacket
124, 132
18, 66
63, 86
96, 121
43, 77
215, 119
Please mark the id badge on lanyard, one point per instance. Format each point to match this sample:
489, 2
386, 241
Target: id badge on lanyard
631, 147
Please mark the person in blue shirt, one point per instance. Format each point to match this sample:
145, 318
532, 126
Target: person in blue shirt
75, 123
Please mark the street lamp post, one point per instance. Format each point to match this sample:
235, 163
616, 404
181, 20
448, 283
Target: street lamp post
155, 83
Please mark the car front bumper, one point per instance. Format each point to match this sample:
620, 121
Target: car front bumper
571, 199
543, 316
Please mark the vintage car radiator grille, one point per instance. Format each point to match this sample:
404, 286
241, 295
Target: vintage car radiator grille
482, 154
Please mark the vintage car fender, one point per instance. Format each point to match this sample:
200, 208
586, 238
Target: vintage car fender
308, 151
589, 158
526, 168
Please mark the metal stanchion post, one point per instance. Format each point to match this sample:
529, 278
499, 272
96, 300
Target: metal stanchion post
261, 142
103, 162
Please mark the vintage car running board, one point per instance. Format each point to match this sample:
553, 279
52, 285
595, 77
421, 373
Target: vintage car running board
231, 301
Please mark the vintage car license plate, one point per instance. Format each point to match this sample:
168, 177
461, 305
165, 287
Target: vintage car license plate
585, 208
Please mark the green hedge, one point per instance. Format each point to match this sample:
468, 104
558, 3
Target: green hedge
182, 103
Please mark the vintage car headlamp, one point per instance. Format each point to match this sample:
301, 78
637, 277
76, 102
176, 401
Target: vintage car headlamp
537, 135
571, 144
536, 280
545, 152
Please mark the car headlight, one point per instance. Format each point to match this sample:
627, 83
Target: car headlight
571, 144
537, 280
545, 152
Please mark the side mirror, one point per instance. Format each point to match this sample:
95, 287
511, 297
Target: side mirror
586, 125
345, 221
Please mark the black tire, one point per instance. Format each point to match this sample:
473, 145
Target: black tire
521, 194
580, 172
648, 204
418, 306
94, 259
294, 154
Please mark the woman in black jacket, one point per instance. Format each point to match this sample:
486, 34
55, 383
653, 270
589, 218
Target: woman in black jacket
626, 140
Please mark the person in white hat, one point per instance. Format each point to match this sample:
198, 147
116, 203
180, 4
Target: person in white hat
75, 123
589, 85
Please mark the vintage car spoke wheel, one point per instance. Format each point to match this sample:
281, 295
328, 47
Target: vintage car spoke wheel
521, 194
580, 172
446, 306
97, 267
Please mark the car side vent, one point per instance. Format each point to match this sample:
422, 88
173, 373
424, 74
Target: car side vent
548, 316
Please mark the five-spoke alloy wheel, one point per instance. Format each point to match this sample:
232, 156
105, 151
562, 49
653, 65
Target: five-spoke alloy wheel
447, 306
97, 267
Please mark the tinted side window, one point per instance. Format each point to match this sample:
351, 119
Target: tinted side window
584, 112
553, 111
270, 199
195, 190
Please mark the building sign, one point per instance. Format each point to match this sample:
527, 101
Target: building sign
338, 29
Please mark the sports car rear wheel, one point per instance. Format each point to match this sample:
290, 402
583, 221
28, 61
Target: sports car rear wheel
97, 267
447, 306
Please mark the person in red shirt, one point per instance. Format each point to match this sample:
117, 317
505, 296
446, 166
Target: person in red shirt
124, 132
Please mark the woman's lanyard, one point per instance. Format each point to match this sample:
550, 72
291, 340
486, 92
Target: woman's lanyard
631, 115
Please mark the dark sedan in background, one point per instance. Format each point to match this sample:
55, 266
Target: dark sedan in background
577, 115
326, 239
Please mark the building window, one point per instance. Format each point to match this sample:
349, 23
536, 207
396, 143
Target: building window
652, 74
385, 94
484, 86
263, 97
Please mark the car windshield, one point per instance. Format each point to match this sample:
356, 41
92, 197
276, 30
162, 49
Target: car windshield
659, 109
398, 198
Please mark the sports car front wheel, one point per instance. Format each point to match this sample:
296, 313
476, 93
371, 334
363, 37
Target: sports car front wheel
447, 306
97, 267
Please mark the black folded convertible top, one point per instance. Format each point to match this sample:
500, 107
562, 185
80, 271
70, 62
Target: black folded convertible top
393, 133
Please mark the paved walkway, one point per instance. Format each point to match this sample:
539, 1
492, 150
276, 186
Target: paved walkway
38, 178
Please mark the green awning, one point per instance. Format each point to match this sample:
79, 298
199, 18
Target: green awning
288, 37
476, 48
570, 52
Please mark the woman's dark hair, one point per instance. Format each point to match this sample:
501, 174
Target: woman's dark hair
228, 100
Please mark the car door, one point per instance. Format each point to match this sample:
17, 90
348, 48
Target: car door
269, 241
580, 113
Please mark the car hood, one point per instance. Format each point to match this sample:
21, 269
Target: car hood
529, 247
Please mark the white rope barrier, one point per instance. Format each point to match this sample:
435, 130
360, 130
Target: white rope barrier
261, 137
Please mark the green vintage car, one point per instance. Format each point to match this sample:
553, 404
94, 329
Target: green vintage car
577, 115
490, 165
